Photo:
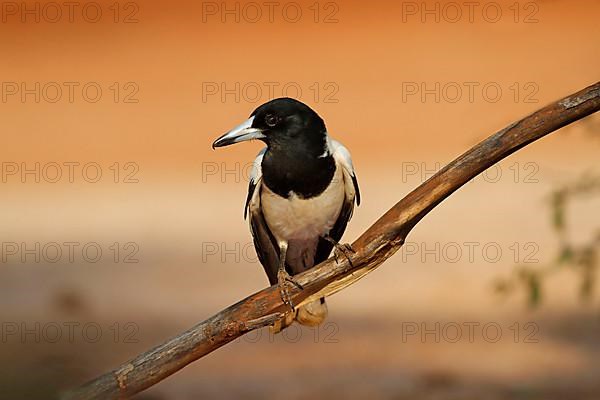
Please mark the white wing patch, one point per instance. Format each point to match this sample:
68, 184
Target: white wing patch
253, 199
256, 172
341, 154
342, 157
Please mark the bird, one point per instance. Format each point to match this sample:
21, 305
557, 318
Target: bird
301, 195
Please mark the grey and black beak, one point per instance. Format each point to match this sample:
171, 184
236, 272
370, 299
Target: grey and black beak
240, 133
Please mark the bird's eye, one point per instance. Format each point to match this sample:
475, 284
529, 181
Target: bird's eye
271, 120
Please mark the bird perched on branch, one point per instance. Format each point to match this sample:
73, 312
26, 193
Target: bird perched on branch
300, 197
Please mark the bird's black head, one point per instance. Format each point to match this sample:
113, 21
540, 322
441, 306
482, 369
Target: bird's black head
280, 123
287, 119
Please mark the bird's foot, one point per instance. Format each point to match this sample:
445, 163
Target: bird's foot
341, 250
285, 282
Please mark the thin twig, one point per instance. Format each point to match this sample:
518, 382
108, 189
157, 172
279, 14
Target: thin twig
373, 247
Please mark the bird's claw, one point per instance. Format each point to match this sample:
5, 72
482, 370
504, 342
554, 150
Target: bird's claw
341, 249
285, 281
344, 250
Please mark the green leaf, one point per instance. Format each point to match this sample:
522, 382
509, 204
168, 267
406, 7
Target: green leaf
535, 290
558, 210
566, 255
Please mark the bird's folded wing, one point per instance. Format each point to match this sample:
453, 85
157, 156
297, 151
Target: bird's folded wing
342, 159
264, 242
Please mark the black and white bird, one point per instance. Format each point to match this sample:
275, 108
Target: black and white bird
301, 194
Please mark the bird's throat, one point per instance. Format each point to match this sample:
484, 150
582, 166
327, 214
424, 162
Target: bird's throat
304, 174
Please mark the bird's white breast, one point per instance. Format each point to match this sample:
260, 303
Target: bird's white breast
301, 219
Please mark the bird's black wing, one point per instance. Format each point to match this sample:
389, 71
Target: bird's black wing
264, 242
344, 161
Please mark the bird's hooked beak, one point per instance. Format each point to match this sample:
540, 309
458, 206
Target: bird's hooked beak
240, 133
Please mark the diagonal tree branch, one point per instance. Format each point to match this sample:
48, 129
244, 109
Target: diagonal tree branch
372, 248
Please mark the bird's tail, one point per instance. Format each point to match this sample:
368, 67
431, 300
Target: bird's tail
310, 314
313, 313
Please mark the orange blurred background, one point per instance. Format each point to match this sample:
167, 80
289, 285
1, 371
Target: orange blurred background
108, 114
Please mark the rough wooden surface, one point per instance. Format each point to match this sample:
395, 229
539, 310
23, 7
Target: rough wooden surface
373, 247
